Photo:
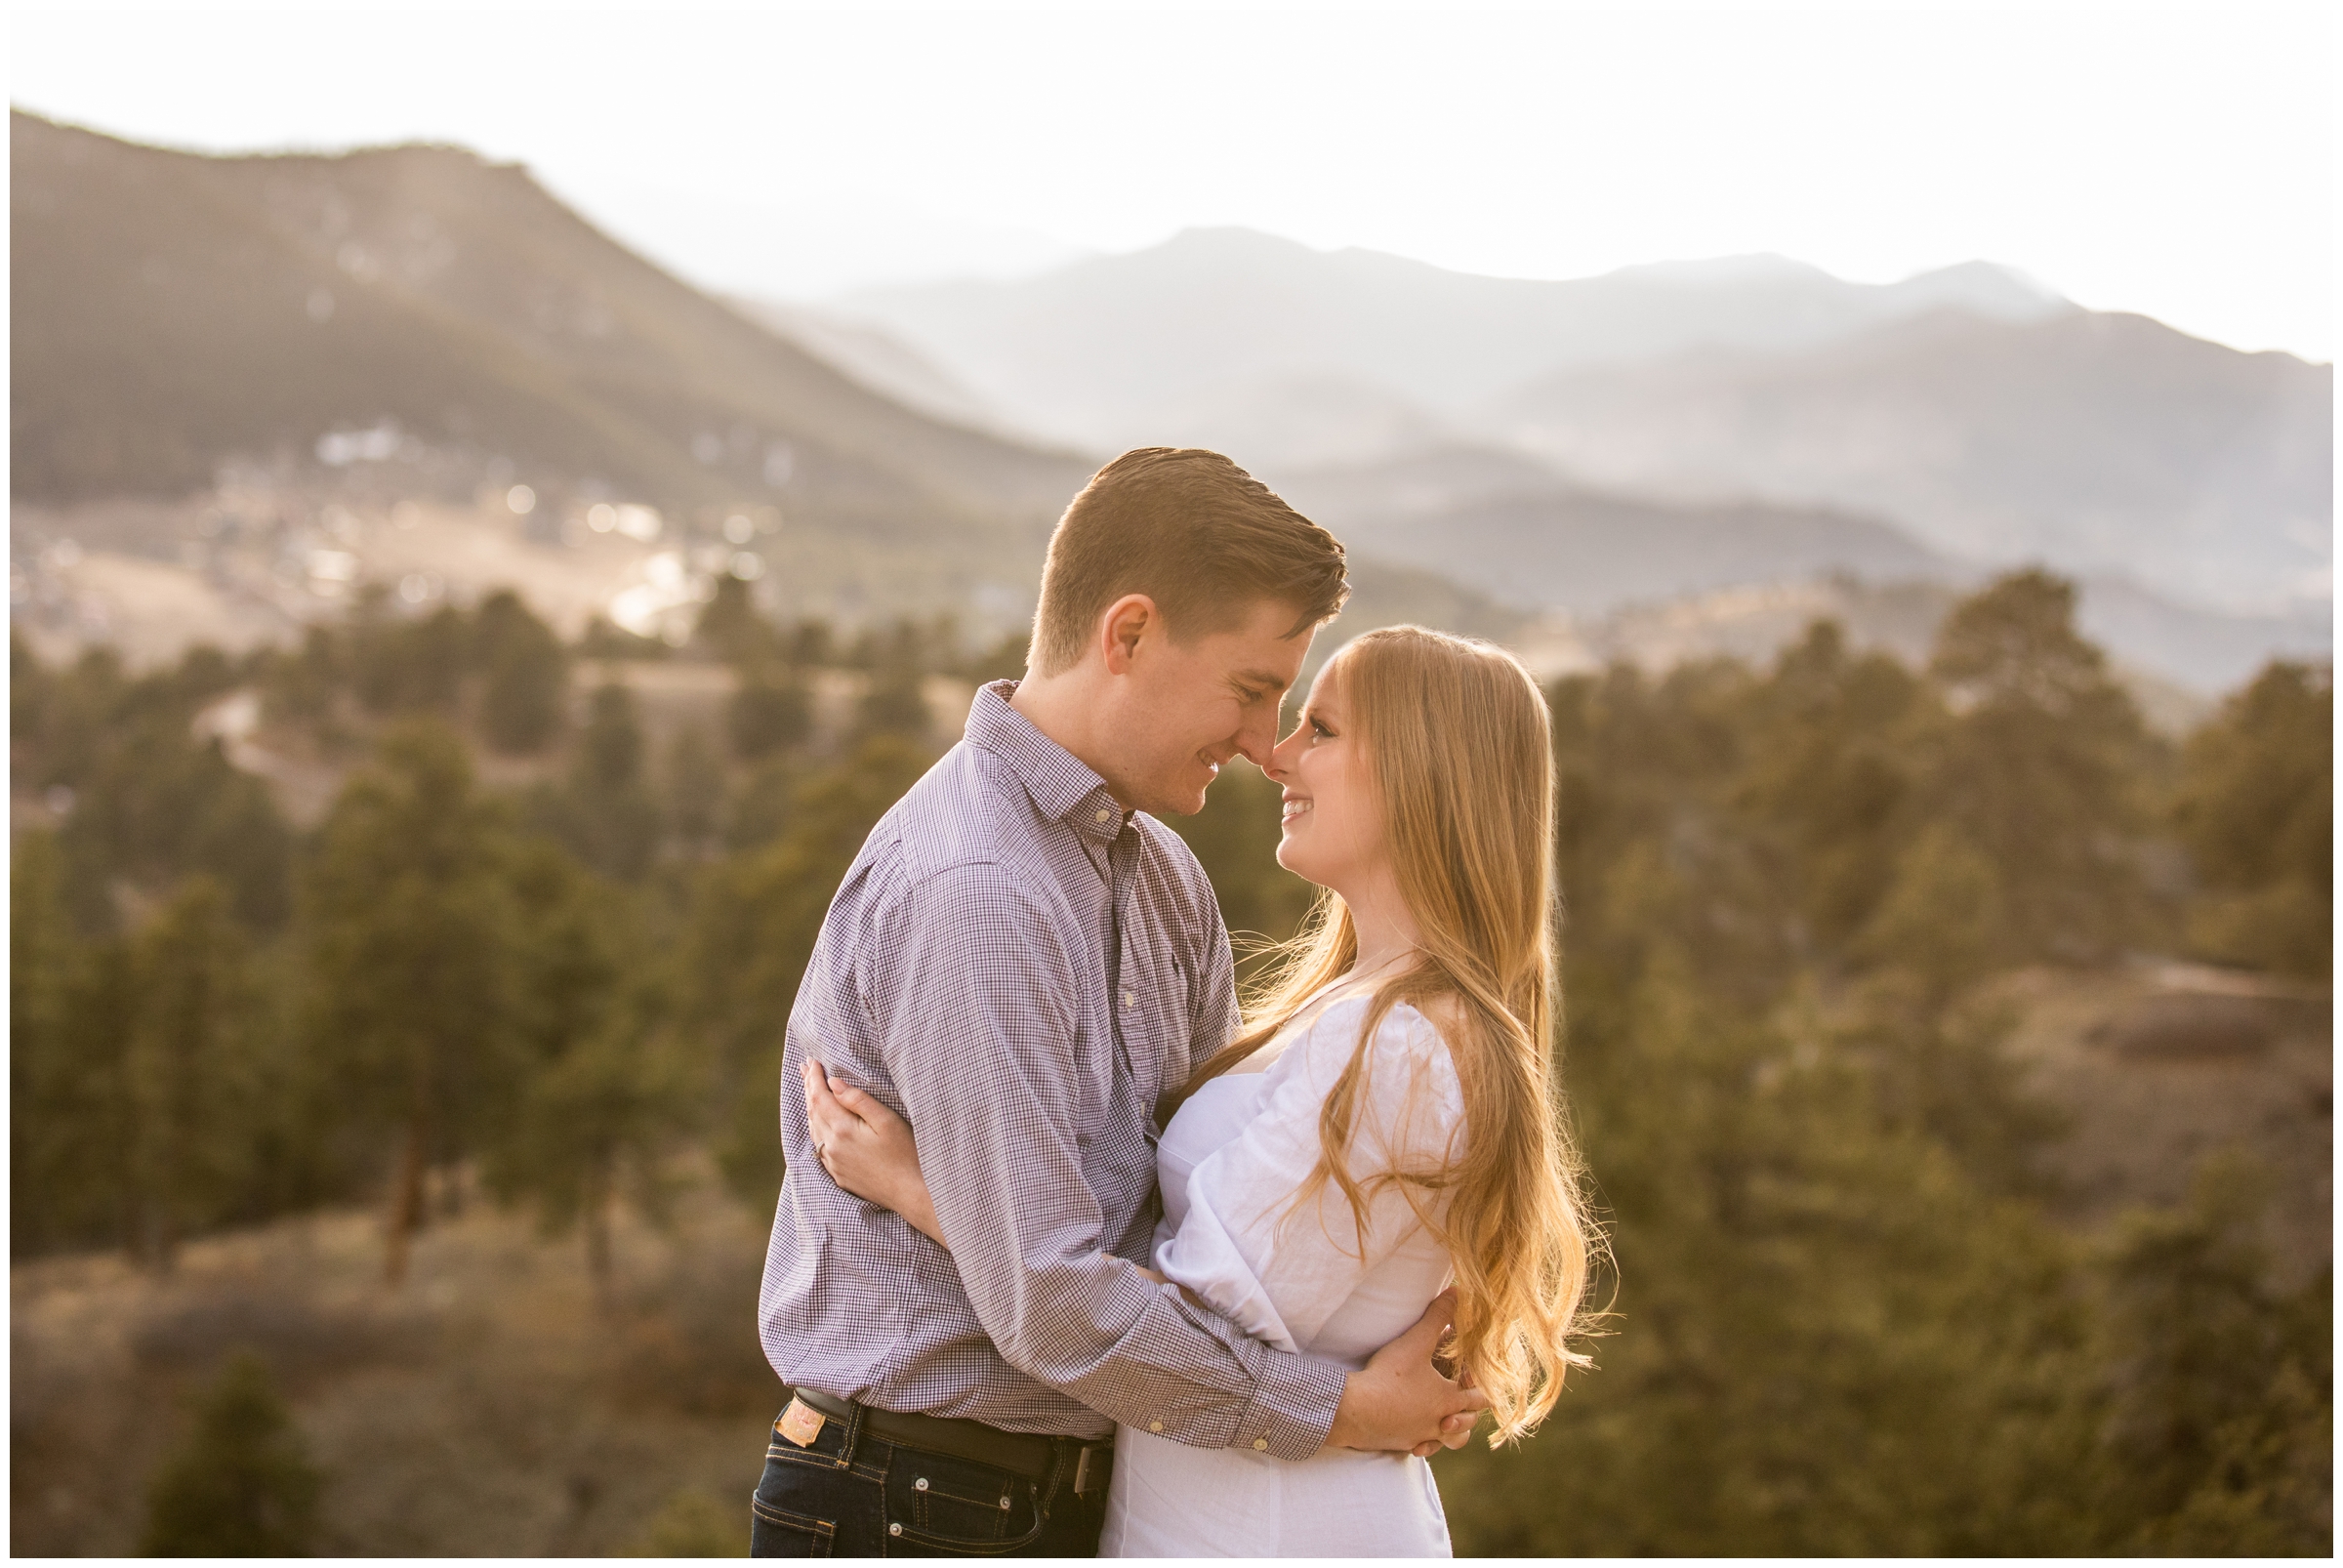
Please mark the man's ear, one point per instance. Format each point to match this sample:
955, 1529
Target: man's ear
1126, 624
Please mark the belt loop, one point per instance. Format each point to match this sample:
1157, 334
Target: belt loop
855, 1411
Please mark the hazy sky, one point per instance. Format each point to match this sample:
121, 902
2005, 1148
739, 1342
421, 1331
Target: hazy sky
2181, 165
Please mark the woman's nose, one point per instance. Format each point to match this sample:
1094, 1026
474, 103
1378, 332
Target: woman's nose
1276, 766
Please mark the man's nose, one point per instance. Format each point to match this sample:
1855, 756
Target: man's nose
1257, 741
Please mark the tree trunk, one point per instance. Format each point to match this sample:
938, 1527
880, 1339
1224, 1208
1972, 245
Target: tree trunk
598, 1239
406, 1202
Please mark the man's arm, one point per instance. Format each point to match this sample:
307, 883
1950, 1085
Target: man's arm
868, 1149
976, 1005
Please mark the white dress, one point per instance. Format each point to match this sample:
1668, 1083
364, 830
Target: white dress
1231, 1164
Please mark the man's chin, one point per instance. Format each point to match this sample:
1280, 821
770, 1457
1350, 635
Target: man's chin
1179, 802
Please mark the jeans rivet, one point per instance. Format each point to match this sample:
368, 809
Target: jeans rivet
919, 1485
894, 1529
1005, 1503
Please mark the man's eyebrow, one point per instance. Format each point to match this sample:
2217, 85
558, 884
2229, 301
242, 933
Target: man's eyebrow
1265, 679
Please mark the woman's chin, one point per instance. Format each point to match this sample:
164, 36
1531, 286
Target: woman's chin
1294, 857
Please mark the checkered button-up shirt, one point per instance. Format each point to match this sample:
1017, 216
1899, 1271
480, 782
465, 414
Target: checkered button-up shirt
1021, 970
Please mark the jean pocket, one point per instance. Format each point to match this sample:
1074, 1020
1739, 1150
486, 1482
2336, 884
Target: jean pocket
942, 1502
778, 1532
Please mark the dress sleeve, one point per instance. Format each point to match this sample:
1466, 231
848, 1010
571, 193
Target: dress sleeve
1280, 1269
979, 1036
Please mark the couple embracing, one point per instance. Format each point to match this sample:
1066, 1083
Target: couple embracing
1073, 1256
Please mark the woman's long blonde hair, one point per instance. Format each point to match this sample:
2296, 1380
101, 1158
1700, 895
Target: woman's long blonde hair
1460, 749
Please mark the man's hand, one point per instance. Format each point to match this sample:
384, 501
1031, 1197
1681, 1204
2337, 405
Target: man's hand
1401, 1403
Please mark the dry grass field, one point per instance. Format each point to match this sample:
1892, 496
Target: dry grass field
2159, 1065
484, 1408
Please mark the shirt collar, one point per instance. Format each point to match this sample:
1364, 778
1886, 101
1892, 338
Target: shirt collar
1061, 786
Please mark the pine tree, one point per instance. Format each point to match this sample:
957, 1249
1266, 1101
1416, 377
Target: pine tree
241, 1484
2043, 767
896, 702
190, 1090
69, 1030
613, 822
695, 790
730, 628
2221, 1430
525, 676
1828, 780
769, 711
410, 925
605, 1091
1826, 1341
2255, 808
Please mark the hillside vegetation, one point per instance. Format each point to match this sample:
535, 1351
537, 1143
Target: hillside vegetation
171, 311
1842, 933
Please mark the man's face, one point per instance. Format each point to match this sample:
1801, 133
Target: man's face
1182, 709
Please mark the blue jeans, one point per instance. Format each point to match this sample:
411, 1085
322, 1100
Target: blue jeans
852, 1495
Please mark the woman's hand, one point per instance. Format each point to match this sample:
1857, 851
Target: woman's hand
868, 1149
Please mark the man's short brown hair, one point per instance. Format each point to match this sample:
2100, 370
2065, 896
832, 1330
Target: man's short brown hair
1192, 532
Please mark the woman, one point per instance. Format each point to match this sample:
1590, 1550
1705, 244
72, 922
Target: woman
1385, 1124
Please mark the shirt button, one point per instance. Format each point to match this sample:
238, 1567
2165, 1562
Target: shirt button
1260, 1442
1129, 1001
1106, 816
1155, 1425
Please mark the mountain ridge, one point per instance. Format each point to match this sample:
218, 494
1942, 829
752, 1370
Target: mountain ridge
1222, 304
2098, 442
175, 310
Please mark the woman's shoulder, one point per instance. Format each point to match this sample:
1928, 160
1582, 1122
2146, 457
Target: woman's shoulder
1410, 1037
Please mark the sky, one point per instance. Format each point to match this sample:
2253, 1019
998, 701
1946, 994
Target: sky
2178, 164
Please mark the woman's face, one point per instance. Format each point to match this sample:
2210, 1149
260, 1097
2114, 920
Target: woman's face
1334, 832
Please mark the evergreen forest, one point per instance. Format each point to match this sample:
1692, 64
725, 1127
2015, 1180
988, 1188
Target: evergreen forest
535, 947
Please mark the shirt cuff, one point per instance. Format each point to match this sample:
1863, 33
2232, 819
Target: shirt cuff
1293, 1406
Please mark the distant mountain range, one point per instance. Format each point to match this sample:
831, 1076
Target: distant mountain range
170, 313
1513, 529
1100, 349
1527, 537
1967, 407
416, 321
2096, 443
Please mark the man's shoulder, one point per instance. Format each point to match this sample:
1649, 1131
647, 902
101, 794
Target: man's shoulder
966, 824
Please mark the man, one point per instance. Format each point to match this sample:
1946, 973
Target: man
1021, 962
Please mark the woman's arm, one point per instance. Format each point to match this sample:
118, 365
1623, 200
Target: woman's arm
869, 1151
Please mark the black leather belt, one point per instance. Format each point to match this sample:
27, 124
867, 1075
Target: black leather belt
1026, 1453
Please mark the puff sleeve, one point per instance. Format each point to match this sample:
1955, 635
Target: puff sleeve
1279, 1269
